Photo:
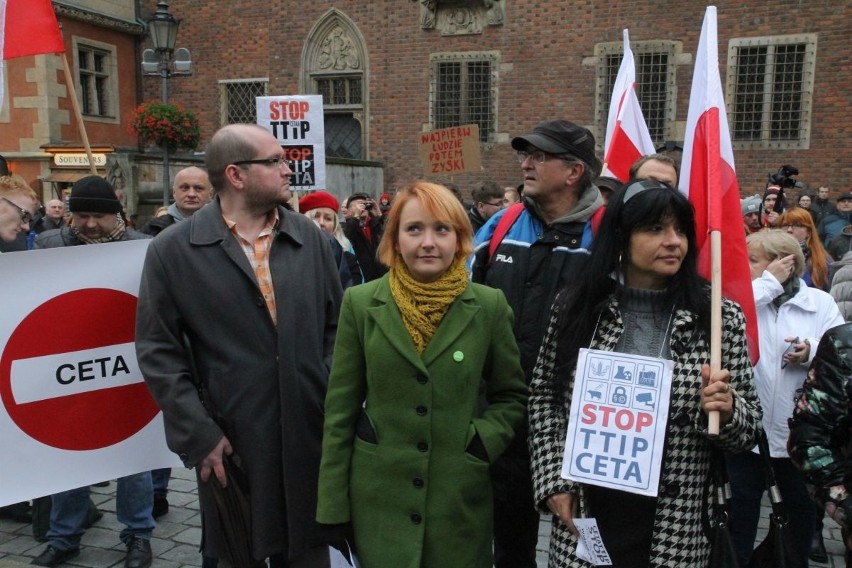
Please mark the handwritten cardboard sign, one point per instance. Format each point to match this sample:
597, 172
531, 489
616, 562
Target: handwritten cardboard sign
451, 150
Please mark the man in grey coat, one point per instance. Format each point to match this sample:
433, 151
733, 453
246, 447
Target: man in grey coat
242, 300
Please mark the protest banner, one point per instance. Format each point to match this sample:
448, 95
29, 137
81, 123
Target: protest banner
75, 409
450, 150
617, 425
297, 123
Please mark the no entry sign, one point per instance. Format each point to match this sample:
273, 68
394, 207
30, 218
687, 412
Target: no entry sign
68, 373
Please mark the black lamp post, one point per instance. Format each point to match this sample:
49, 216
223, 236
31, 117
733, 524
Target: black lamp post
163, 28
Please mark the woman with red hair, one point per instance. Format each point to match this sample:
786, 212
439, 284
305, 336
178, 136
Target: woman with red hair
799, 223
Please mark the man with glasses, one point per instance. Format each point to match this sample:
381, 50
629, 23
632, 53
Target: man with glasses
487, 200
241, 302
543, 249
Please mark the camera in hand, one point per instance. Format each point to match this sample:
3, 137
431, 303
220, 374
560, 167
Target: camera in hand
368, 205
784, 177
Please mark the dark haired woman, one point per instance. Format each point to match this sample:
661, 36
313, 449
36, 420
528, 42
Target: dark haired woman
642, 296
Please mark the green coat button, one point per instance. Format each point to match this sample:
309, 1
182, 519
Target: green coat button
458, 356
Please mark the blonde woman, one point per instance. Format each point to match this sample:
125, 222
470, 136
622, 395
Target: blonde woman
322, 208
426, 391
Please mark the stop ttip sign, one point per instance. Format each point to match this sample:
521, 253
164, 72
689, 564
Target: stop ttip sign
68, 374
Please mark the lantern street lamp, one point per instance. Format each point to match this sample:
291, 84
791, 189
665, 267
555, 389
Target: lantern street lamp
163, 28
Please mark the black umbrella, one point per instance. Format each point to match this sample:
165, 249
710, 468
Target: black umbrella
232, 515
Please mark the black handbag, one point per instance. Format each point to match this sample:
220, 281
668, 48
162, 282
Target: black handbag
775, 551
722, 553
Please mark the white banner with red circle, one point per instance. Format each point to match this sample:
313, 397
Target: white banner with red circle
75, 409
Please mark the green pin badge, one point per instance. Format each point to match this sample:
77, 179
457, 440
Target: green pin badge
458, 356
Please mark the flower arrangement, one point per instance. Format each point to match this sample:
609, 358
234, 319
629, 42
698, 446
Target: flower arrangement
166, 124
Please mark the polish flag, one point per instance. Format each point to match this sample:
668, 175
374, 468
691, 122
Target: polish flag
27, 27
627, 137
709, 179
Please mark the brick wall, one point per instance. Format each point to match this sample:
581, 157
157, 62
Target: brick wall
544, 72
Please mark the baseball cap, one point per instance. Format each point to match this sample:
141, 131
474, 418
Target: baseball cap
562, 137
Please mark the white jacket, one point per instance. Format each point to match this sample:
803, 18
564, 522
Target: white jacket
807, 315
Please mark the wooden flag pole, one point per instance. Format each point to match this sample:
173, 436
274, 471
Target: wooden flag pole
72, 92
715, 319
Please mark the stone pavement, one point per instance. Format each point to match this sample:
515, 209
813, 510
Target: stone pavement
177, 536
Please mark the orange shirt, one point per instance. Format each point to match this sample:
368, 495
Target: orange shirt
258, 256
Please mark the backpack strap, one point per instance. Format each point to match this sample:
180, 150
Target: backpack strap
502, 229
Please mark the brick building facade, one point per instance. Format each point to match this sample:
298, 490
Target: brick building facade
39, 134
391, 69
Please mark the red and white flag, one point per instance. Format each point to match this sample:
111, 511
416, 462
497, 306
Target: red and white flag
709, 179
27, 27
627, 137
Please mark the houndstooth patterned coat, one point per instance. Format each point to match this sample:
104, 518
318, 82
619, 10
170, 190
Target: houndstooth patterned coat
678, 537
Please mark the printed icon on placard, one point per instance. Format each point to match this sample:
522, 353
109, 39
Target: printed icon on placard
599, 369
624, 372
619, 396
648, 377
596, 392
644, 399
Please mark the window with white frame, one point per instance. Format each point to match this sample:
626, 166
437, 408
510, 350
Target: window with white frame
655, 84
97, 79
769, 90
236, 100
464, 91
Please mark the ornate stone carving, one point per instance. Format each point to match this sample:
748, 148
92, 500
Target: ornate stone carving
338, 51
119, 175
461, 17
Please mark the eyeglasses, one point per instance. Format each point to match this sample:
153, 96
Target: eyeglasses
498, 204
26, 216
537, 156
279, 161
540, 156
791, 225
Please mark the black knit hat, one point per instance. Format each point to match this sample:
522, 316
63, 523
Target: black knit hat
562, 137
93, 194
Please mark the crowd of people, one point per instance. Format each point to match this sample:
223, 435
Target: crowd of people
393, 373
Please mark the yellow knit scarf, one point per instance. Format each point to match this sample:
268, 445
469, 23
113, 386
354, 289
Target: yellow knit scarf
423, 305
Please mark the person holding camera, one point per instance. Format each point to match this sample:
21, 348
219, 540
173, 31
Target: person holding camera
363, 228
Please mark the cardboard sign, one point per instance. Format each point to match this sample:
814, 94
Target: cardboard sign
617, 425
75, 409
297, 122
451, 150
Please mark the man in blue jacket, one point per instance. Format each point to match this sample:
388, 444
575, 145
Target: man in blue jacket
544, 248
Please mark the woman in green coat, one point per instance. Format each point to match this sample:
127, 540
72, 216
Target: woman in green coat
426, 390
